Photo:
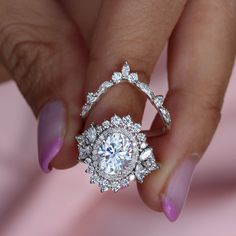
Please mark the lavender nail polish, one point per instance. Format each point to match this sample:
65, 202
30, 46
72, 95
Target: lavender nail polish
51, 130
178, 187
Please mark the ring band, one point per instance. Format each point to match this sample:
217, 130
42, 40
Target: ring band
132, 78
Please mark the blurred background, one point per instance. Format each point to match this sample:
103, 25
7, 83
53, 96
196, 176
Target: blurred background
63, 203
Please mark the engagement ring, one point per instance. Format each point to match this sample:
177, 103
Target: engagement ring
116, 151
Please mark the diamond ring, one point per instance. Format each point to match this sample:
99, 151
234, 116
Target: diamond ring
116, 151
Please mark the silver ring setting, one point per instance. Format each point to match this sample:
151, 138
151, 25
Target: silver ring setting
116, 152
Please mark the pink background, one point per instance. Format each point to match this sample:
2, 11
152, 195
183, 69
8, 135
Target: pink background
63, 203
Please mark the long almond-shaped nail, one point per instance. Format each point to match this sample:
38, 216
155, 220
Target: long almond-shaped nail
51, 130
178, 187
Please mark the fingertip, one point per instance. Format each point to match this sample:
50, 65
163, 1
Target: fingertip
149, 194
56, 145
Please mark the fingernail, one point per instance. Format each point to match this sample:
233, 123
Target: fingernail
51, 130
178, 187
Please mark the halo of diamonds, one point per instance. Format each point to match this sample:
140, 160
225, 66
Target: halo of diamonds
132, 77
140, 158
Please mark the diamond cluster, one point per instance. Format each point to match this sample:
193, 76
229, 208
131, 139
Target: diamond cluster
116, 152
126, 76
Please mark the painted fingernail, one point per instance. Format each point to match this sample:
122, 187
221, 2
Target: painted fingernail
51, 130
178, 187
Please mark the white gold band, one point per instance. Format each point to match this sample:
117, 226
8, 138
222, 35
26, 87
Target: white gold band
131, 77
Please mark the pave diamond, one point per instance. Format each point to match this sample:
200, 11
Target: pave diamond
115, 156
145, 154
165, 114
146, 89
116, 77
158, 100
133, 77
91, 98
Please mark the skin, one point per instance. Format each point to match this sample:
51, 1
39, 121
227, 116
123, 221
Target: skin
62, 50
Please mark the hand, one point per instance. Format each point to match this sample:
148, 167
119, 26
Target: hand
42, 49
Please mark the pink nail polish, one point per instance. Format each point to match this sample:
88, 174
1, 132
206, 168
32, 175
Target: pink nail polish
51, 130
178, 187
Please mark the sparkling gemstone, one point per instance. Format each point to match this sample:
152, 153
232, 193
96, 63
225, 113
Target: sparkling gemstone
105, 85
116, 120
140, 172
84, 151
158, 100
125, 69
146, 89
133, 77
115, 156
135, 127
116, 77
91, 134
165, 114
145, 154
141, 137
91, 98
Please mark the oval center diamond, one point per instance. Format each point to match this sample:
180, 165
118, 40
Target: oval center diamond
115, 156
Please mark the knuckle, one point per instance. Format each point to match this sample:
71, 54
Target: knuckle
28, 59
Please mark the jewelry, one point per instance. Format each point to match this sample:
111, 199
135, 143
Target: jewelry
116, 152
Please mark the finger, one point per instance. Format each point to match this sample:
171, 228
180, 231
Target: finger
201, 57
4, 75
131, 31
84, 14
44, 53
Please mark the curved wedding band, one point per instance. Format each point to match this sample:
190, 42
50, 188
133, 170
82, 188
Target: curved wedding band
116, 151
132, 78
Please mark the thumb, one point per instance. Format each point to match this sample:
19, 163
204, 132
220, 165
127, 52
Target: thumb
45, 55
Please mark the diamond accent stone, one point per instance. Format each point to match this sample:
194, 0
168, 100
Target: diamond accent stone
91, 98
141, 137
84, 152
132, 177
158, 101
165, 114
125, 69
146, 89
91, 134
143, 145
79, 139
140, 172
94, 179
116, 77
105, 85
116, 186
106, 124
135, 127
145, 154
133, 77
127, 120
116, 120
